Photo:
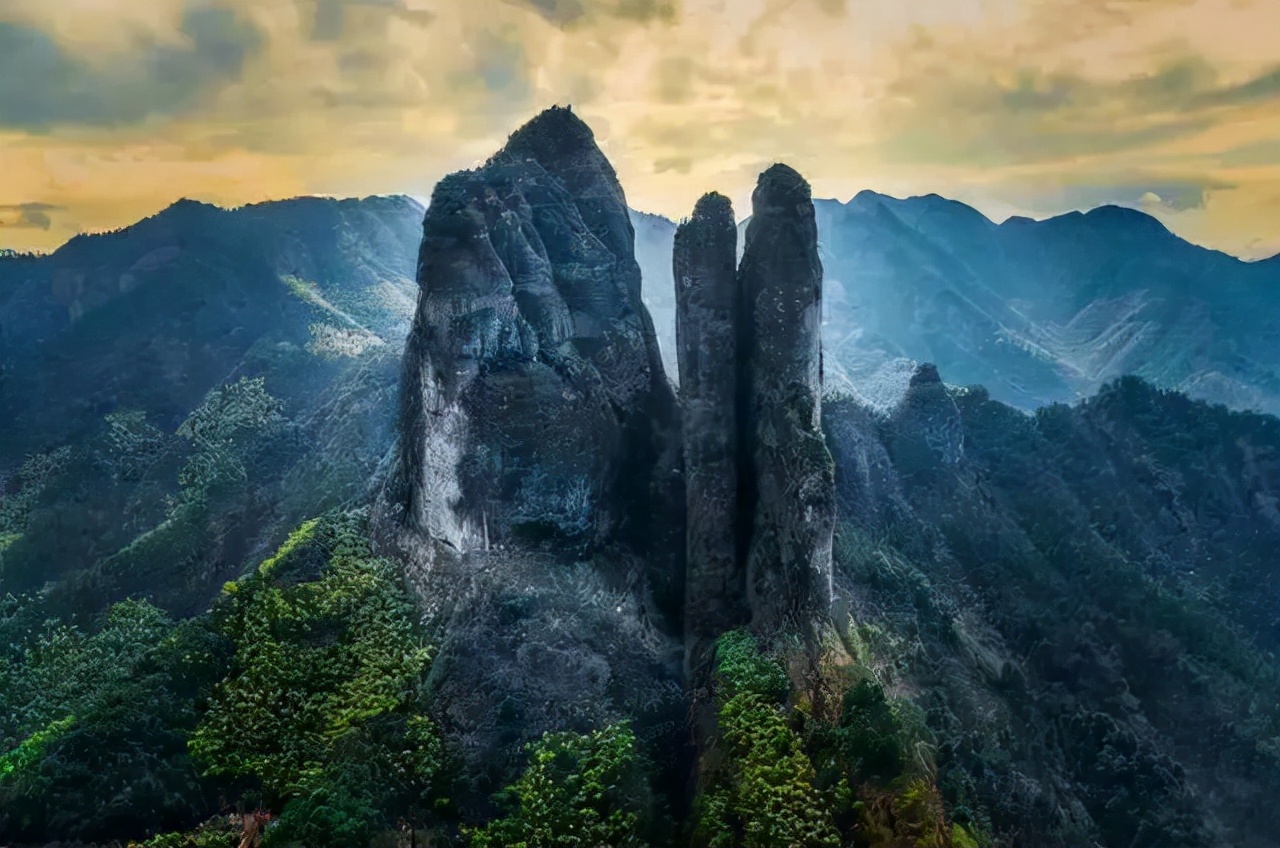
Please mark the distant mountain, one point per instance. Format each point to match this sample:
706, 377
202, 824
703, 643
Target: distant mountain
111, 344
1036, 311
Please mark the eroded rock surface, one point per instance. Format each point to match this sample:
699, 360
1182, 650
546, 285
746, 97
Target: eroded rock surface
535, 406
791, 490
707, 311
537, 497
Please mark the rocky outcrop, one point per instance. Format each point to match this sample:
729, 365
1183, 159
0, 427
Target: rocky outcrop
760, 487
537, 498
707, 323
791, 491
535, 407
924, 431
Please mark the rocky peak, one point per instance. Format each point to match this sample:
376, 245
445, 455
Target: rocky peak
707, 328
534, 388
926, 430
790, 495
926, 373
759, 477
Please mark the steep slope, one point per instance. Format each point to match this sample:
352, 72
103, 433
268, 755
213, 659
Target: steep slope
117, 346
654, 238
1037, 311
536, 497
1083, 604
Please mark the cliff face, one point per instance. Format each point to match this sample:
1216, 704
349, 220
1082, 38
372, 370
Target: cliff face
707, 326
760, 490
537, 497
535, 406
791, 496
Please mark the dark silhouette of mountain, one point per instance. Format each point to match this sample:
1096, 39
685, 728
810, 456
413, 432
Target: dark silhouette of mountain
1036, 311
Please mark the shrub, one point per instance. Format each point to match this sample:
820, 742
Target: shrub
579, 791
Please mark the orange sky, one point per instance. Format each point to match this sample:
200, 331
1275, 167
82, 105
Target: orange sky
112, 109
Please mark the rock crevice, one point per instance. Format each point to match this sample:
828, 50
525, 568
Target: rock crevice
759, 477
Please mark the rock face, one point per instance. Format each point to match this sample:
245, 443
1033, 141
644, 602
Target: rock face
791, 491
537, 498
707, 309
759, 478
535, 407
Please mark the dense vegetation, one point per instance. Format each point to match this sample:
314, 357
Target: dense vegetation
1056, 629
299, 692
1084, 601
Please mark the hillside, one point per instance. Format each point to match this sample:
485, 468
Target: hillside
279, 324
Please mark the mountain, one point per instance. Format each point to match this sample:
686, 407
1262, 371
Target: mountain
1083, 603
539, 443
113, 343
1036, 311
534, 595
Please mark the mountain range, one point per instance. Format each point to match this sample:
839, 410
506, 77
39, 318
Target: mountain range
1038, 312
359, 511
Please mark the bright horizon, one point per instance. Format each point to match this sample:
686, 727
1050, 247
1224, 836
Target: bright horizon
110, 110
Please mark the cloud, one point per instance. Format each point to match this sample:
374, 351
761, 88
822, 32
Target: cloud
1263, 152
44, 84
570, 13
22, 216
1028, 115
1137, 189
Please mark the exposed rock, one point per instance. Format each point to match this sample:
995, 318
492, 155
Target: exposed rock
790, 492
706, 340
539, 439
535, 405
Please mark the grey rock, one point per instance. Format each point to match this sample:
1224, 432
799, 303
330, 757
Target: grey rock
535, 406
537, 496
706, 341
790, 493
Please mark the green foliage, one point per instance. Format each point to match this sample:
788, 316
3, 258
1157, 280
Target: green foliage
134, 446
870, 741
763, 795
17, 499
741, 667
31, 749
322, 702
305, 533
330, 816
216, 833
218, 429
96, 723
579, 791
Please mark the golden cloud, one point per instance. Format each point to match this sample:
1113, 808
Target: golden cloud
112, 108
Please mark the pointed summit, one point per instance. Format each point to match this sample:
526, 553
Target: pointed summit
790, 494
550, 134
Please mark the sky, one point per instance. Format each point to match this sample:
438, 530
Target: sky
112, 109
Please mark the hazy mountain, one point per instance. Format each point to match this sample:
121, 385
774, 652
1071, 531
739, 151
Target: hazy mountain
1036, 311
908, 613
112, 342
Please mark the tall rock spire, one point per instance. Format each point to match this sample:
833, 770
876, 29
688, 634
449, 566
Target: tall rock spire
534, 404
760, 488
706, 341
791, 495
